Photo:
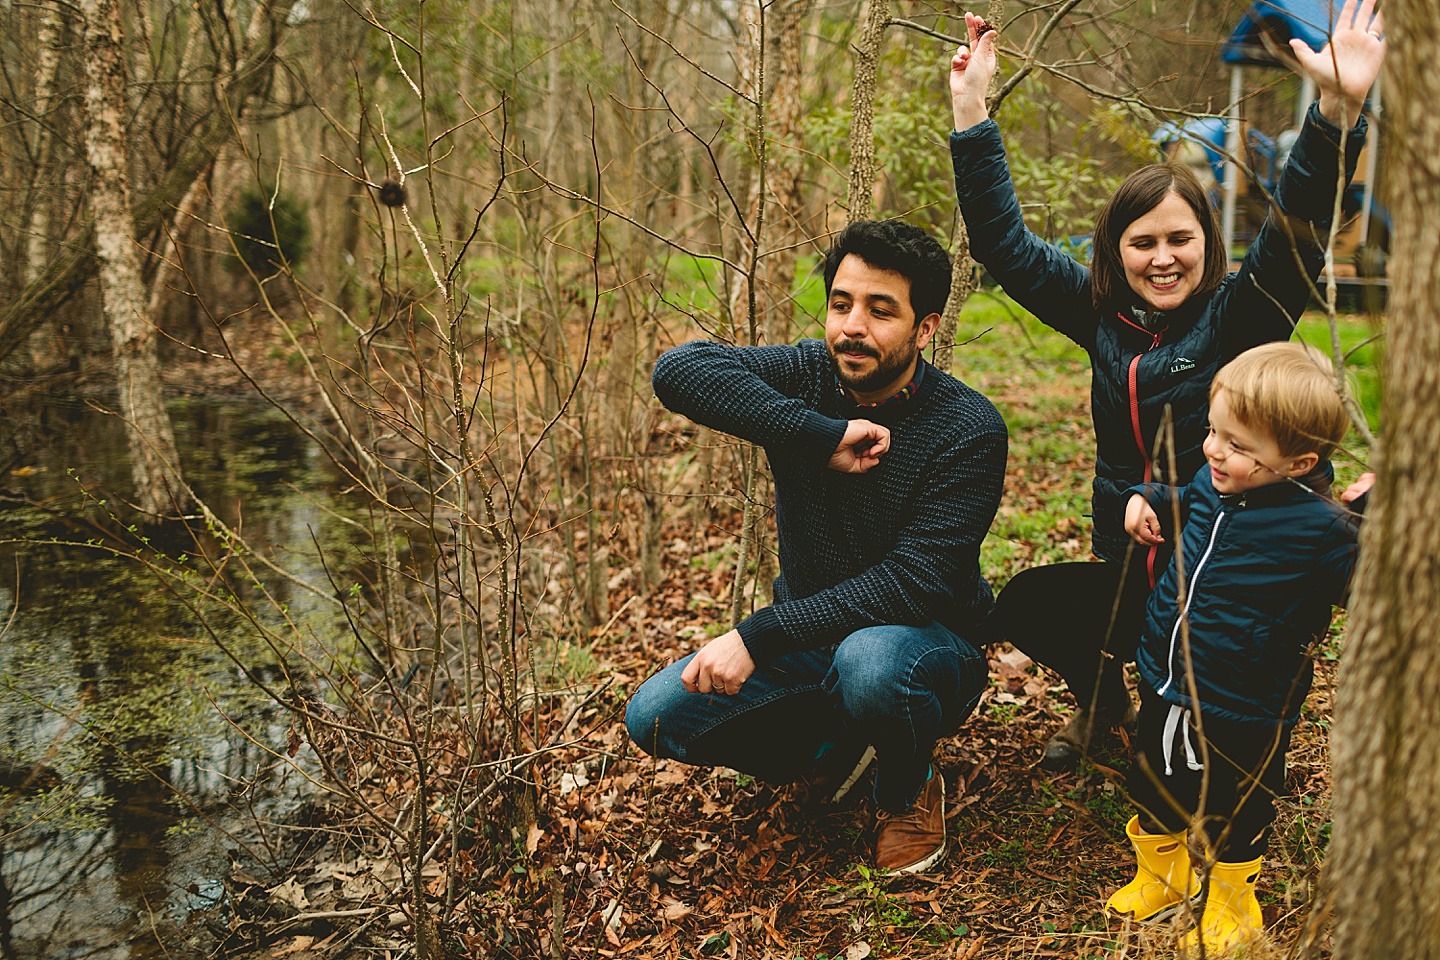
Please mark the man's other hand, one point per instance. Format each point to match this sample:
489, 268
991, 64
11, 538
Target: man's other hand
722, 666
861, 447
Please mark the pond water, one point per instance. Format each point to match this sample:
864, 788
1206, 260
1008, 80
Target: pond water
160, 757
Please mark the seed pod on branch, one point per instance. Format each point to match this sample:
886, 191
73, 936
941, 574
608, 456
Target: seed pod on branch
392, 194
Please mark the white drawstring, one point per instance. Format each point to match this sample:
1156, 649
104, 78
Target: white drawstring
1173, 720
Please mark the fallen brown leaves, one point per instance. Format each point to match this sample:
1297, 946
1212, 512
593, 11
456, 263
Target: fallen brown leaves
630, 857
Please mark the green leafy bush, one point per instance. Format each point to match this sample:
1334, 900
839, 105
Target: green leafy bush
269, 231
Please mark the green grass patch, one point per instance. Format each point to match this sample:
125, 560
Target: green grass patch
1362, 344
1040, 383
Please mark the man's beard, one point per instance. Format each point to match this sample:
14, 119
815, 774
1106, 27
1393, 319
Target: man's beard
886, 371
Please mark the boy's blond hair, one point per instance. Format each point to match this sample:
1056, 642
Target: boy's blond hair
1288, 390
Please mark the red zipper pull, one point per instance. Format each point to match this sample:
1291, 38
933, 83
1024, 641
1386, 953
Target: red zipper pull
1155, 335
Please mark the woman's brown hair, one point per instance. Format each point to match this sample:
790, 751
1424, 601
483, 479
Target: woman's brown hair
1141, 192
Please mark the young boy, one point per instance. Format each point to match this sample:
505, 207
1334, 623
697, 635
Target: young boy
1264, 551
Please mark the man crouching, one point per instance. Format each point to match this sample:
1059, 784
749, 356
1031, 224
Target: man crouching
887, 475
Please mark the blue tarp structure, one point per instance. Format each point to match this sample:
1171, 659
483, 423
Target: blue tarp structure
1279, 20
1209, 133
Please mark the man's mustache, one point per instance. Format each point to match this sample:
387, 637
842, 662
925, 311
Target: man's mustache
856, 346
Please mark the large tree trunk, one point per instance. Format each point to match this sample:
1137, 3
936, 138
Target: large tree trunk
1383, 861
154, 465
775, 303
787, 167
52, 30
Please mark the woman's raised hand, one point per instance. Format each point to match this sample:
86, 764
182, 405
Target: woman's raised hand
971, 69
1345, 69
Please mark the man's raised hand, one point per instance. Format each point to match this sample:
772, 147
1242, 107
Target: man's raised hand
861, 448
722, 666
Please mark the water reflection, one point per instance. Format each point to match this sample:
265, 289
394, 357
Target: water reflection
109, 681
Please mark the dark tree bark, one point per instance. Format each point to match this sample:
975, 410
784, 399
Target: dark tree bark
874, 18
1382, 866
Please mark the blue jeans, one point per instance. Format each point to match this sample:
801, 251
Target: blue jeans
897, 688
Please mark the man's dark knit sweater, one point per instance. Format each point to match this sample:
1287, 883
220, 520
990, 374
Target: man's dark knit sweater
898, 544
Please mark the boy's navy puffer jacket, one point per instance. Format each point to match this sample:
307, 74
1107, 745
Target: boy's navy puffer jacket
1262, 569
1137, 374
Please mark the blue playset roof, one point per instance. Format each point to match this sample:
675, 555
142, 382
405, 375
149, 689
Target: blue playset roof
1310, 20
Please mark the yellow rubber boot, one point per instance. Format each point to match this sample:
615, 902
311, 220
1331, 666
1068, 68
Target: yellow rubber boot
1232, 914
1163, 878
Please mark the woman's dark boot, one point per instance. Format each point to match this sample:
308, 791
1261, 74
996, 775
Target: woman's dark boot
1064, 750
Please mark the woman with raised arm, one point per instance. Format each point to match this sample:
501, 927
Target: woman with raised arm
1158, 315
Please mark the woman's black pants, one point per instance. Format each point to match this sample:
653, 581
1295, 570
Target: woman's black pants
1081, 620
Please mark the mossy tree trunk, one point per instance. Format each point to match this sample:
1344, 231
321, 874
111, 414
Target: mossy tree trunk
154, 463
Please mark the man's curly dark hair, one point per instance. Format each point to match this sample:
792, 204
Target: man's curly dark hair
902, 247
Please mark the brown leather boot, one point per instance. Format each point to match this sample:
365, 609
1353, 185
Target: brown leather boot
914, 842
